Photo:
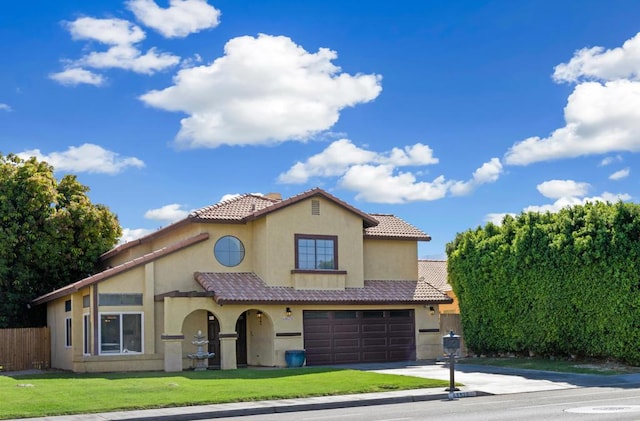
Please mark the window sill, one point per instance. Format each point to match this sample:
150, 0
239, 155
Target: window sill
320, 271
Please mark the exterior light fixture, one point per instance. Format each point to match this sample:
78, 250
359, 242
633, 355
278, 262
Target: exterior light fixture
432, 310
259, 316
288, 311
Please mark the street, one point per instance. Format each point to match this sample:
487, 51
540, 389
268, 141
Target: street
571, 404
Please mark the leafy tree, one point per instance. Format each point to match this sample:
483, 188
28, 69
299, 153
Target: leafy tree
566, 283
50, 235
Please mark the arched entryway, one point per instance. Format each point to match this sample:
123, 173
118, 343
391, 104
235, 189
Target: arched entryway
213, 329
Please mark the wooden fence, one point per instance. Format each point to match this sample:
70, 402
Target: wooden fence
449, 322
23, 349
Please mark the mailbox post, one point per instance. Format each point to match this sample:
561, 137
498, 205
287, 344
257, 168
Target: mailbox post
451, 346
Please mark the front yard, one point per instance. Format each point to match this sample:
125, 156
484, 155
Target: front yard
67, 393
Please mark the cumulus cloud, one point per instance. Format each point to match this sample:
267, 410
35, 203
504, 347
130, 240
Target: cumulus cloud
619, 175
180, 19
556, 189
598, 63
130, 234
264, 90
122, 38
565, 202
167, 213
358, 167
87, 158
610, 160
5, 107
77, 76
489, 172
602, 114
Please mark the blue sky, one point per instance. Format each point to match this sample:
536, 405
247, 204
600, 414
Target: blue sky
447, 114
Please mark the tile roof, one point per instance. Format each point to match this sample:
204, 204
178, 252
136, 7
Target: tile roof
391, 226
236, 209
105, 274
246, 287
435, 273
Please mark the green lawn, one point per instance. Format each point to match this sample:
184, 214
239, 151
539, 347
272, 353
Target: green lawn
67, 393
559, 365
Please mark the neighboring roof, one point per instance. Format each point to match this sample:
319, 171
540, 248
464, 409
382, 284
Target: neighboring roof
246, 287
435, 273
390, 226
108, 273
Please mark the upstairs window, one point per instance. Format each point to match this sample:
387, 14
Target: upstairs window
316, 252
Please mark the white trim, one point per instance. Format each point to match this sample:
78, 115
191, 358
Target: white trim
120, 314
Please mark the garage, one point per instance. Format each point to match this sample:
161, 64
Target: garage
358, 336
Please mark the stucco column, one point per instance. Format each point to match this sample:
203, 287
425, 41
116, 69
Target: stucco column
172, 352
228, 360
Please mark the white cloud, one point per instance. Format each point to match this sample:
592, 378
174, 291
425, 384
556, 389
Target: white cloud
489, 172
379, 184
264, 90
556, 189
106, 31
610, 160
565, 202
87, 158
130, 234
598, 63
619, 175
76, 76
121, 36
602, 114
496, 218
180, 19
167, 213
5, 107
599, 119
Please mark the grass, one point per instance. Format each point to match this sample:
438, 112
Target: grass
558, 365
69, 393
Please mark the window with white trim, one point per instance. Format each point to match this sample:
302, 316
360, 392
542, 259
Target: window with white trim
121, 333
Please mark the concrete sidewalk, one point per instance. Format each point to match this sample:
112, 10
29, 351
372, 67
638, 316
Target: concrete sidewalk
477, 380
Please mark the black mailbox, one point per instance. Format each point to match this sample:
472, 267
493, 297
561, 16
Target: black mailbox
451, 343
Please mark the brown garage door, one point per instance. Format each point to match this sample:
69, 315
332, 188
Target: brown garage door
358, 336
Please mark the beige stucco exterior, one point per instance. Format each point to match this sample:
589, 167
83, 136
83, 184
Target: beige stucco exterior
169, 322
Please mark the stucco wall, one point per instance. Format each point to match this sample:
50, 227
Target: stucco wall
390, 259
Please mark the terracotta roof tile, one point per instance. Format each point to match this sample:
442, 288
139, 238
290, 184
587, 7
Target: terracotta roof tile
245, 287
235, 209
435, 273
391, 226
105, 274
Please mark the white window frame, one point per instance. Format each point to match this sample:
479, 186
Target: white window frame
86, 334
68, 331
120, 314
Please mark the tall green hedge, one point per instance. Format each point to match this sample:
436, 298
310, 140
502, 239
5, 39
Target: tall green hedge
565, 283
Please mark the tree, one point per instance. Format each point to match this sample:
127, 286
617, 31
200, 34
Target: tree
50, 235
564, 284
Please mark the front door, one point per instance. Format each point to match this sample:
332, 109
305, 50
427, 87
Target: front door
214, 340
241, 342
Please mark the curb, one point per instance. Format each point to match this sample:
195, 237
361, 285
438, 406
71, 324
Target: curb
264, 407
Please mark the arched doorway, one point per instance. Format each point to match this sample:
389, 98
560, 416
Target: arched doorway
213, 328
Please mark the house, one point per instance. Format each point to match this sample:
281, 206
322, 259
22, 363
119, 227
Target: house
435, 273
258, 276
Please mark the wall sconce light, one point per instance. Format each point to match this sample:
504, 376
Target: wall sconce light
432, 310
259, 316
288, 312
211, 317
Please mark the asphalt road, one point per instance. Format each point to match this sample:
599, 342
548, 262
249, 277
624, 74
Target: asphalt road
583, 404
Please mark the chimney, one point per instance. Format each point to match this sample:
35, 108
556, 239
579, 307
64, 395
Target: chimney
273, 196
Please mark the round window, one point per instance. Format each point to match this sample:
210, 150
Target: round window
229, 251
